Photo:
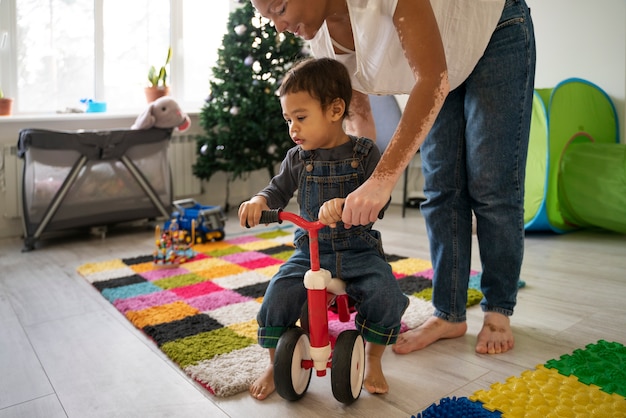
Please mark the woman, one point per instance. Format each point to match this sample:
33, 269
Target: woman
468, 68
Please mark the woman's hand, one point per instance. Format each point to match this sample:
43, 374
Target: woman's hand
363, 205
330, 212
250, 211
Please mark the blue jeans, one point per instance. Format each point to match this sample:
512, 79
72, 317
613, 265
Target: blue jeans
379, 302
474, 159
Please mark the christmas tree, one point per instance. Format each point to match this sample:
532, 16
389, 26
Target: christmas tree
242, 117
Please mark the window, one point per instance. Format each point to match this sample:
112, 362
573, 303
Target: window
54, 53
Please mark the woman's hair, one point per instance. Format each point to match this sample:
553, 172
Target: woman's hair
325, 79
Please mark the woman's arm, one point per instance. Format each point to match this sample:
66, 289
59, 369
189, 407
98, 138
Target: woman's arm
419, 35
360, 121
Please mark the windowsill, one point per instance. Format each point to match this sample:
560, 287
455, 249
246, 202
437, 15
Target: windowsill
47, 117
84, 116
10, 126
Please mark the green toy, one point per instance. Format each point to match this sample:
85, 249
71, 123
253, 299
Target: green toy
566, 188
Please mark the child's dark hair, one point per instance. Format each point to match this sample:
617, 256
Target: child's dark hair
325, 79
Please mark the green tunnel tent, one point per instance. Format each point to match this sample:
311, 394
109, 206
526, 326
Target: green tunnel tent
592, 185
575, 108
537, 163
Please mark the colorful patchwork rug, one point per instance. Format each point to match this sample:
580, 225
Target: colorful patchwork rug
588, 383
202, 314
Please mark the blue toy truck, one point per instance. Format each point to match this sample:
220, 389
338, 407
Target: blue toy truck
208, 221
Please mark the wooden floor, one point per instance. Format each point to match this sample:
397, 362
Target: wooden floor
66, 352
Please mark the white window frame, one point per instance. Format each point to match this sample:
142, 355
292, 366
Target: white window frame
8, 49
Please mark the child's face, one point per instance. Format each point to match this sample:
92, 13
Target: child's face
310, 126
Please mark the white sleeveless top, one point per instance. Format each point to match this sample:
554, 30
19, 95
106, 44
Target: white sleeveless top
465, 25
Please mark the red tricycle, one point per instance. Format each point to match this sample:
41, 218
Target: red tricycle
302, 349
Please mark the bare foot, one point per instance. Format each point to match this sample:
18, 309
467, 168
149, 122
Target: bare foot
374, 381
496, 336
264, 385
432, 330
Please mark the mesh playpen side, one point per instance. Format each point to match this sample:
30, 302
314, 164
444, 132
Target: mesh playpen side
92, 178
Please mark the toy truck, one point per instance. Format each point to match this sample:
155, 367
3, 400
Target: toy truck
206, 223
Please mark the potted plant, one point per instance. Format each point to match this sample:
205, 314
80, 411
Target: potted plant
158, 80
5, 105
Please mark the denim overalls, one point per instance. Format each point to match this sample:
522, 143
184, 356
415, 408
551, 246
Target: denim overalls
354, 255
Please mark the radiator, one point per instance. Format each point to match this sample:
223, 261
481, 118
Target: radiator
10, 182
182, 155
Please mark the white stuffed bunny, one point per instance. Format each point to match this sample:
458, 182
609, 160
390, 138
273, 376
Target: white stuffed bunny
164, 112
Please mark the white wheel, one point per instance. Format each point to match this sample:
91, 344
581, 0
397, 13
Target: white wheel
348, 368
290, 378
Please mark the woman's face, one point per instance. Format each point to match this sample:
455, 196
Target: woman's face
301, 17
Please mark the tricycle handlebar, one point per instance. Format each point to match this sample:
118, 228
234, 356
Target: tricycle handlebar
278, 215
271, 216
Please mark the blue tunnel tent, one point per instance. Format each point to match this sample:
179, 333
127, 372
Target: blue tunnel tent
570, 182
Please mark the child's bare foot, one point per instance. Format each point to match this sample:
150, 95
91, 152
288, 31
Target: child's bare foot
432, 330
263, 386
374, 380
496, 336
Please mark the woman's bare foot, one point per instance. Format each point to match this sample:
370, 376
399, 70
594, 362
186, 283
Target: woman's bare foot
374, 381
263, 386
496, 336
434, 329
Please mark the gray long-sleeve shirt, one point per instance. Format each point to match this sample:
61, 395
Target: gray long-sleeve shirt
283, 186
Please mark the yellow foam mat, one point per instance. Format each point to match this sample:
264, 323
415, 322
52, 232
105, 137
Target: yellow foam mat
544, 393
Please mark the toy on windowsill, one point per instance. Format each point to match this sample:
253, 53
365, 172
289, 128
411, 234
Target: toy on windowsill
165, 113
174, 245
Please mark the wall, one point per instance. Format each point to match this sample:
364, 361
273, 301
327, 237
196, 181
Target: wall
584, 39
575, 38
213, 192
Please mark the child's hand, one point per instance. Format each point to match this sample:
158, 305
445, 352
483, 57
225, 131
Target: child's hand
250, 211
330, 212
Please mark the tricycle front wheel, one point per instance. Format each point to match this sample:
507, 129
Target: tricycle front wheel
290, 378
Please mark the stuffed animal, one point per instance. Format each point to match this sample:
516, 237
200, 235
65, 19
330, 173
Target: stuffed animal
164, 112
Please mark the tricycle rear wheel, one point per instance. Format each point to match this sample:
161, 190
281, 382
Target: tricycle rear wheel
348, 367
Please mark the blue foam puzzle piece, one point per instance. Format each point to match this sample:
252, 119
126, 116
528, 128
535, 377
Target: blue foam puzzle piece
457, 407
